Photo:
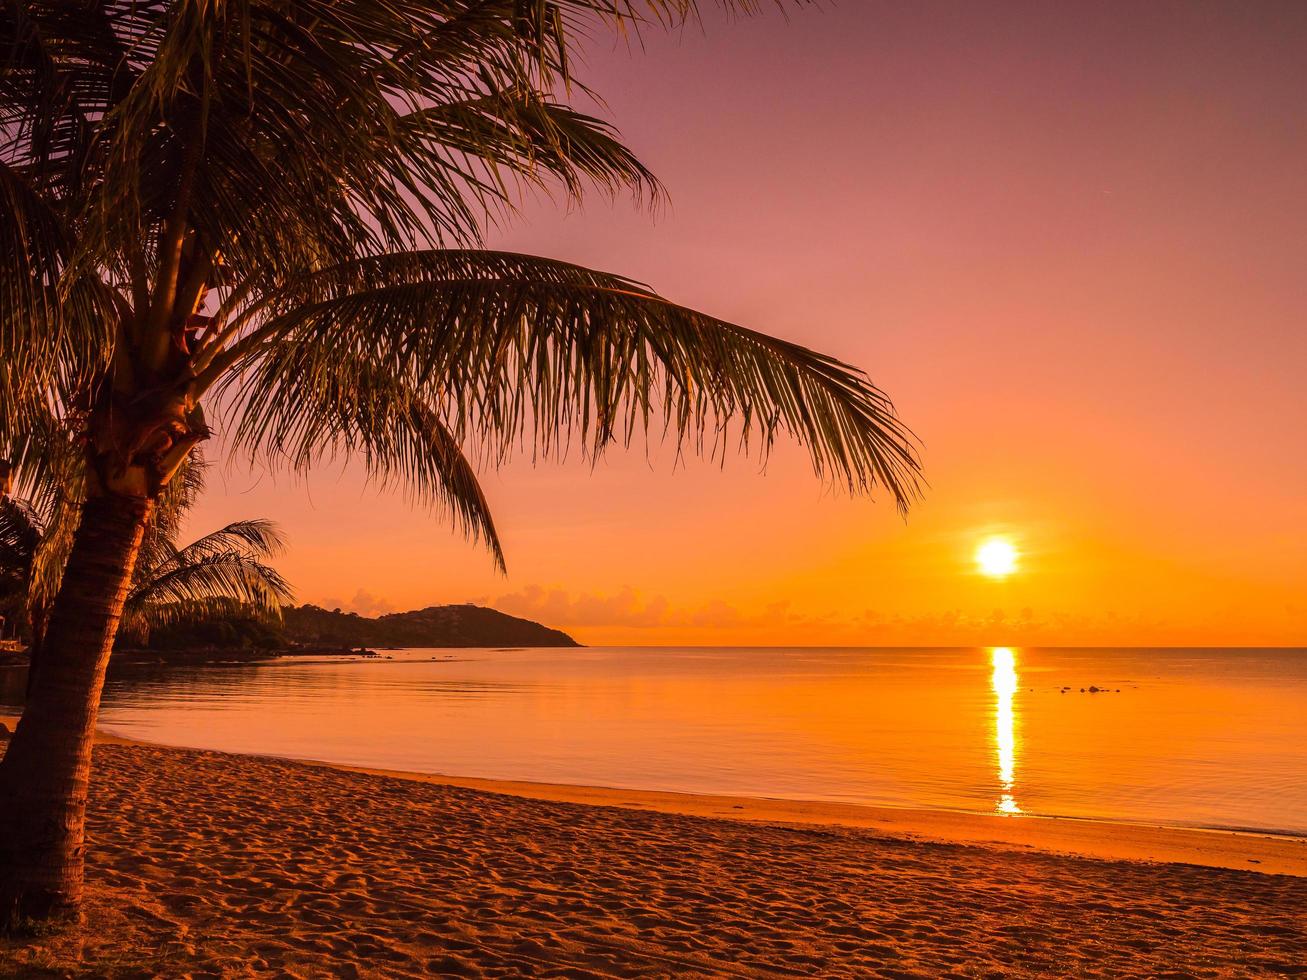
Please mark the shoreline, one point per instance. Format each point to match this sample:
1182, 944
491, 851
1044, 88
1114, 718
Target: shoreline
202, 863
1107, 840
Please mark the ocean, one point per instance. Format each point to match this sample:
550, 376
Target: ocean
1202, 737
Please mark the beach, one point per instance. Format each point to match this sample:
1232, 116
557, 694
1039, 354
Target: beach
652, 488
208, 864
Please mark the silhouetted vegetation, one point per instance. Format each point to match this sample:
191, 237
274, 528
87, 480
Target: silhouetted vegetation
211, 631
436, 626
312, 629
223, 576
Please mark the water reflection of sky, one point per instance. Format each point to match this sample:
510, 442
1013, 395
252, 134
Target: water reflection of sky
1216, 738
1004, 682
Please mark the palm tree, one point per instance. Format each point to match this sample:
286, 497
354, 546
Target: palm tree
226, 571
222, 572
268, 212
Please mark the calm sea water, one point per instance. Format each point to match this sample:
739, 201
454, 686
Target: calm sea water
1213, 738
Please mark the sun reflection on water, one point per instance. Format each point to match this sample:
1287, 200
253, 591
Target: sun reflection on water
1004, 681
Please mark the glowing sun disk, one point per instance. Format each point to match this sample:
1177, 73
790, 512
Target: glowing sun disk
996, 557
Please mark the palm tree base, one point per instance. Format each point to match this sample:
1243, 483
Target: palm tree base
46, 770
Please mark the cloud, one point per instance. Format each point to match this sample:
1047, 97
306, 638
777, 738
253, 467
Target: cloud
557, 607
364, 603
716, 620
628, 607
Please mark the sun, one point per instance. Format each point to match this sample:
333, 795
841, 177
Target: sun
996, 557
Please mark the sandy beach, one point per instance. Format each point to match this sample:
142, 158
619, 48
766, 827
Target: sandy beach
204, 864
653, 488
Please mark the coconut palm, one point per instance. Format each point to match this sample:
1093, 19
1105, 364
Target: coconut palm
222, 572
266, 215
225, 571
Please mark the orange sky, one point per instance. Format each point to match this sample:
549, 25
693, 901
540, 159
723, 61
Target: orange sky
1067, 239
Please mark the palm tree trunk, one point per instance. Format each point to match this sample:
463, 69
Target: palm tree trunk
46, 771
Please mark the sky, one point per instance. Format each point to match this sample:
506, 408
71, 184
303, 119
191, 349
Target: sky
1067, 239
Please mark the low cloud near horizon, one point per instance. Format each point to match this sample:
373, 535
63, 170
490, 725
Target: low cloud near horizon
558, 607
628, 615
629, 611
364, 603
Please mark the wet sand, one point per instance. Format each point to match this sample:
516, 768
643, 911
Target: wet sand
1234, 850
204, 864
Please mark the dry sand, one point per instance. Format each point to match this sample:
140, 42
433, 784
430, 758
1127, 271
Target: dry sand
203, 864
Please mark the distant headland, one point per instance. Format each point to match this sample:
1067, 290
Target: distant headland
463, 625
313, 630
236, 635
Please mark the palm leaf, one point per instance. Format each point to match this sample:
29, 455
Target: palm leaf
233, 575
442, 100
20, 535
219, 573
53, 331
503, 346
214, 586
316, 411
170, 510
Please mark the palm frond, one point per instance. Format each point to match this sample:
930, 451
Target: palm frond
54, 331
254, 538
232, 575
506, 346
219, 573
522, 133
310, 410
20, 536
51, 475
213, 587
441, 101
